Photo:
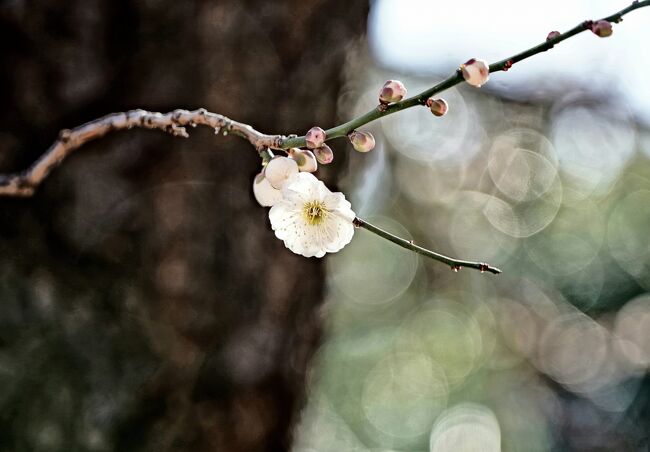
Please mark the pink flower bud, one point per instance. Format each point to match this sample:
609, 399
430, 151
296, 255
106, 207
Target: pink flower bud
315, 137
279, 170
306, 160
438, 107
392, 91
476, 72
552, 35
602, 28
324, 154
362, 141
265, 194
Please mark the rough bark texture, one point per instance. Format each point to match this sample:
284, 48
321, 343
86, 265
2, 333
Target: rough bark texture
144, 302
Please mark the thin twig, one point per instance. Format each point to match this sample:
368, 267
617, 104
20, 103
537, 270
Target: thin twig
421, 98
455, 264
175, 122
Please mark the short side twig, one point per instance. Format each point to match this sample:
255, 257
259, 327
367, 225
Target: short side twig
421, 98
455, 264
175, 122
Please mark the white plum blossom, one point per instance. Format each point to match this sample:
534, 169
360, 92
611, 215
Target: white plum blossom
264, 192
279, 170
310, 219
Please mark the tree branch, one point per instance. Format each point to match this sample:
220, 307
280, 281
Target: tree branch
26, 182
455, 264
175, 122
420, 99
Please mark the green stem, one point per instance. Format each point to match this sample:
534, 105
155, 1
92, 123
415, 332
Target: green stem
455, 264
420, 99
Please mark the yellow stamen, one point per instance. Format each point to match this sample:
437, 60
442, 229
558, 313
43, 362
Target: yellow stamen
315, 212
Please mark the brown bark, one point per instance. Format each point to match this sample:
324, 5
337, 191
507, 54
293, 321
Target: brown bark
144, 302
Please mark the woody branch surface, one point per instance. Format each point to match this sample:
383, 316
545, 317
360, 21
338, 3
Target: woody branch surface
175, 123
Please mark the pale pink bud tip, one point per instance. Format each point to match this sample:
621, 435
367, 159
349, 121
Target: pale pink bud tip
392, 91
602, 28
306, 160
315, 137
324, 154
279, 170
438, 107
475, 72
552, 35
362, 141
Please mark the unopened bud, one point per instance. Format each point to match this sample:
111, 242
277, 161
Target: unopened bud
552, 35
306, 160
602, 28
265, 194
362, 141
279, 170
392, 91
324, 154
315, 137
438, 107
475, 72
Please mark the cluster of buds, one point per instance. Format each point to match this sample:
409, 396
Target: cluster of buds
315, 139
602, 28
438, 107
268, 184
475, 72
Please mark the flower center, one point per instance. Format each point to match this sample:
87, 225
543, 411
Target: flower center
314, 212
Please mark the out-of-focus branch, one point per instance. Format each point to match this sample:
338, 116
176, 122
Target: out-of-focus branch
455, 264
420, 99
175, 122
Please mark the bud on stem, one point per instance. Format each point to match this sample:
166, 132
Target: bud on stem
324, 154
475, 72
602, 28
306, 160
392, 91
315, 137
362, 141
438, 107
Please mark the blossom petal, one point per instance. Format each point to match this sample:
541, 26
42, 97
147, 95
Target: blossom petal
301, 234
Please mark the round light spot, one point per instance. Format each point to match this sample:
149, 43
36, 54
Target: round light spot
466, 428
403, 394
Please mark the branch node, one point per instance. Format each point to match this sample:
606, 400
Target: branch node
65, 135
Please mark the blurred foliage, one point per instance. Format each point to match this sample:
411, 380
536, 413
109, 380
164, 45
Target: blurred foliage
550, 355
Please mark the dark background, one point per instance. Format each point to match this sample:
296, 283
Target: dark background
144, 302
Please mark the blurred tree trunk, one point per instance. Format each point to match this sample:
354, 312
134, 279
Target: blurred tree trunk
144, 302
